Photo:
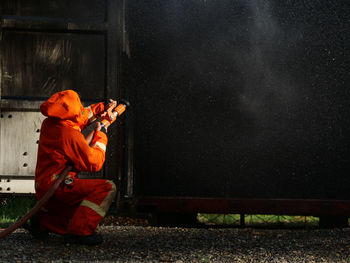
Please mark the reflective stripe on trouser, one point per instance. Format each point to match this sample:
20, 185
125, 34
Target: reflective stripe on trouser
91, 210
78, 207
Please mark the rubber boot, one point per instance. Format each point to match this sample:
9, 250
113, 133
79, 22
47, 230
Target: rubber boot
33, 227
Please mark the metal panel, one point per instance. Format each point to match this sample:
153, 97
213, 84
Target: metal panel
240, 99
19, 134
16, 186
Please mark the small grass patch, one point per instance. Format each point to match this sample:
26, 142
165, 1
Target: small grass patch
219, 219
258, 220
11, 208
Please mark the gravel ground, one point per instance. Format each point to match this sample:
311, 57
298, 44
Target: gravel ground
151, 244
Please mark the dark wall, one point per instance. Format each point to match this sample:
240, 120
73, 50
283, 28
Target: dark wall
241, 99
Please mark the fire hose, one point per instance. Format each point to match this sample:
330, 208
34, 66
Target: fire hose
106, 119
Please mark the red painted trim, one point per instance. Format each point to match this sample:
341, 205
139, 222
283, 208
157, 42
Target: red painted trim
245, 206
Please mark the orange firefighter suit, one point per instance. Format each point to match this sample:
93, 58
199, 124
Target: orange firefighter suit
78, 205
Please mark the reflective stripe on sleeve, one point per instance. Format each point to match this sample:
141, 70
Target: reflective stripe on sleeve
91, 116
99, 145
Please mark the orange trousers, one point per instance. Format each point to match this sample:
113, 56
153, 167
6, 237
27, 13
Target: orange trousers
77, 207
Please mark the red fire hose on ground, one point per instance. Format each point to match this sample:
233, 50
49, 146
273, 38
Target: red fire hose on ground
107, 119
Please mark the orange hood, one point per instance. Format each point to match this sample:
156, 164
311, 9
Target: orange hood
65, 105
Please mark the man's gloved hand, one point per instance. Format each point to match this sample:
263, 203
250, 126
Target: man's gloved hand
110, 104
108, 110
101, 128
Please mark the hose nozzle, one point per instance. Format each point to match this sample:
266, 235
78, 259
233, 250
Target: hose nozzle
111, 114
